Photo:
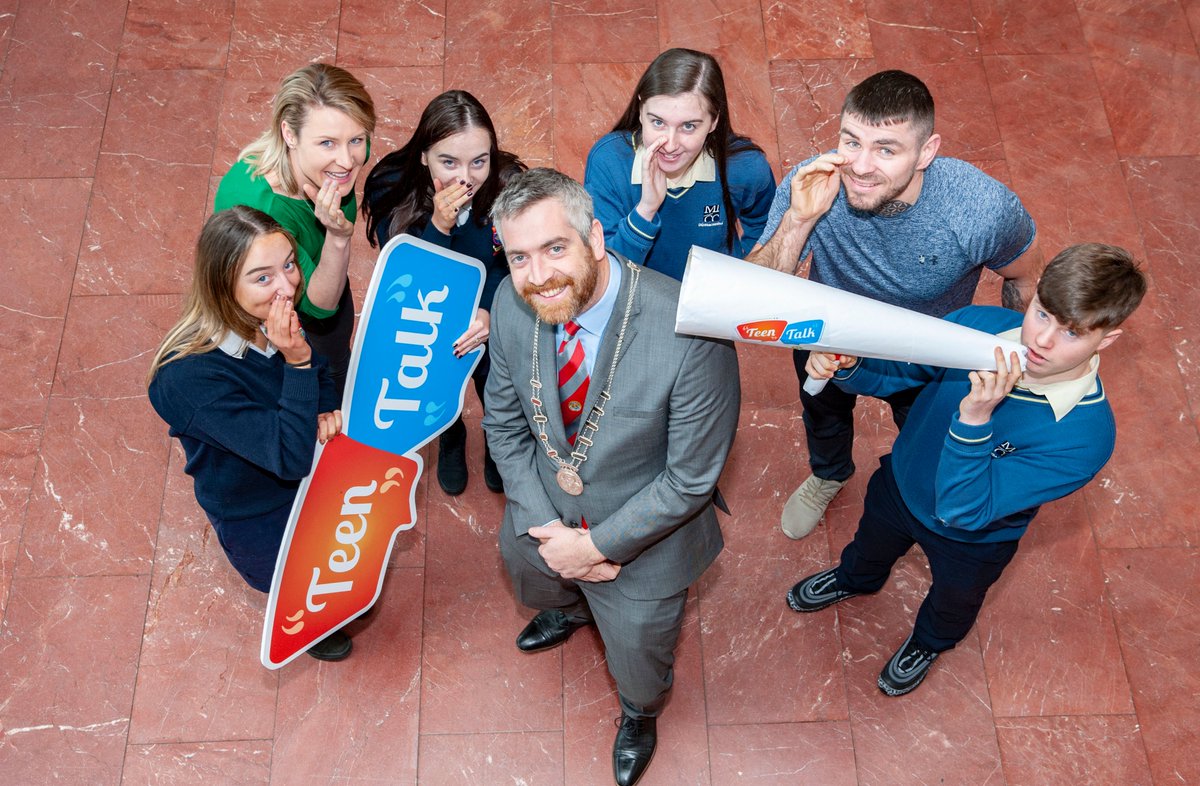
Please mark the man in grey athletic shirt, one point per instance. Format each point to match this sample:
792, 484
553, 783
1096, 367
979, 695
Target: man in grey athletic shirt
883, 216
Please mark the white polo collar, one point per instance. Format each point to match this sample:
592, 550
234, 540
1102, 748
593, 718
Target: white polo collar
702, 170
235, 346
1063, 395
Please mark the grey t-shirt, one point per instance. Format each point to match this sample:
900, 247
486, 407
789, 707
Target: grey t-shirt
927, 258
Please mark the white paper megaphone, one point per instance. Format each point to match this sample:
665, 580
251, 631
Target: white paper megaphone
725, 297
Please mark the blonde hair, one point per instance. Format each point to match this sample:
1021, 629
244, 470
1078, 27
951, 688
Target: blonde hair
314, 85
211, 309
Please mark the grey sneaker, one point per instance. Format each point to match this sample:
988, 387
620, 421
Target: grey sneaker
807, 504
817, 591
906, 669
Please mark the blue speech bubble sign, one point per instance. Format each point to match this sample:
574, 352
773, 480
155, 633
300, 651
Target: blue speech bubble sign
807, 332
406, 386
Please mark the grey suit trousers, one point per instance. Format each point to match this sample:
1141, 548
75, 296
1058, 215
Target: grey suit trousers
639, 635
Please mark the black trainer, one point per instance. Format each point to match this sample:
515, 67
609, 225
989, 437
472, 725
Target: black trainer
904, 672
452, 460
817, 591
335, 646
491, 475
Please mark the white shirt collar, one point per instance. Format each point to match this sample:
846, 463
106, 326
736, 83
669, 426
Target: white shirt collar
595, 319
1062, 395
235, 346
703, 169
593, 322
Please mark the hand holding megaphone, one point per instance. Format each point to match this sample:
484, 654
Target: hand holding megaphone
821, 366
724, 297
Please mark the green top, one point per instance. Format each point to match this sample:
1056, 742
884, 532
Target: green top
241, 187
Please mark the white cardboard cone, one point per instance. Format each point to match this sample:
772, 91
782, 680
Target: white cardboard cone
725, 297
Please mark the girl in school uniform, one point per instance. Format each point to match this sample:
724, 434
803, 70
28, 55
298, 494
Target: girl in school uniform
673, 173
242, 390
439, 187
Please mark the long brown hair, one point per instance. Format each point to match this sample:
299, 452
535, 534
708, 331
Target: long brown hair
398, 193
211, 309
679, 71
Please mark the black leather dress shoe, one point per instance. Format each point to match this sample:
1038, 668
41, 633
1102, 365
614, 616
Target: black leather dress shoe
633, 748
548, 629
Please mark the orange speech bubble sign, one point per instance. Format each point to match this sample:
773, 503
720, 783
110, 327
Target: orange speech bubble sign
762, 330
355, 502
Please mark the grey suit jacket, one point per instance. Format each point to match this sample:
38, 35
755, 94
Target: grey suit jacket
660, 448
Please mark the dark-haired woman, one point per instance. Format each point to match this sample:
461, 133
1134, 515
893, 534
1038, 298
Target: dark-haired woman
440, 187
242, 390
673, 174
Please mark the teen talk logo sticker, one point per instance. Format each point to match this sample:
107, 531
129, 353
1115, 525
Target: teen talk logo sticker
763, 330
808, 332
782, 331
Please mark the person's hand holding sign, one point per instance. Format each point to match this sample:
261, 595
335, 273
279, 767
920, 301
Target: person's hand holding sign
477, 333
329, 425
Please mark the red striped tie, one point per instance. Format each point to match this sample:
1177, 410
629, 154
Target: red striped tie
572, 380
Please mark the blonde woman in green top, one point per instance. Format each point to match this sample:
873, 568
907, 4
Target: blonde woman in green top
302, 172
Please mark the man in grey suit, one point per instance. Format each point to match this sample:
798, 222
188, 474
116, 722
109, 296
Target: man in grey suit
609, 516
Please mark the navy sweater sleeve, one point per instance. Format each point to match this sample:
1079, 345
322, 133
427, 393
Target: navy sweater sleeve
474, 240
248, 426
327, 400
880, 378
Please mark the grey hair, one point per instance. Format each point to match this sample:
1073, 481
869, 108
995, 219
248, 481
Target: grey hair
536, 185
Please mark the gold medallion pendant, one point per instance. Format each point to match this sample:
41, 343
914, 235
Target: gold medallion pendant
569, 480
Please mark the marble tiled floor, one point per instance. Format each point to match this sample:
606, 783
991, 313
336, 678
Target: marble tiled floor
129, 647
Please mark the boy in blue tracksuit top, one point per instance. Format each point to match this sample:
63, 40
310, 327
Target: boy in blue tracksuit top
982, 450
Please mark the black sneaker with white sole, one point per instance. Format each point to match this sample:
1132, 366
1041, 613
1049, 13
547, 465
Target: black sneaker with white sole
817, 591
906, 669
